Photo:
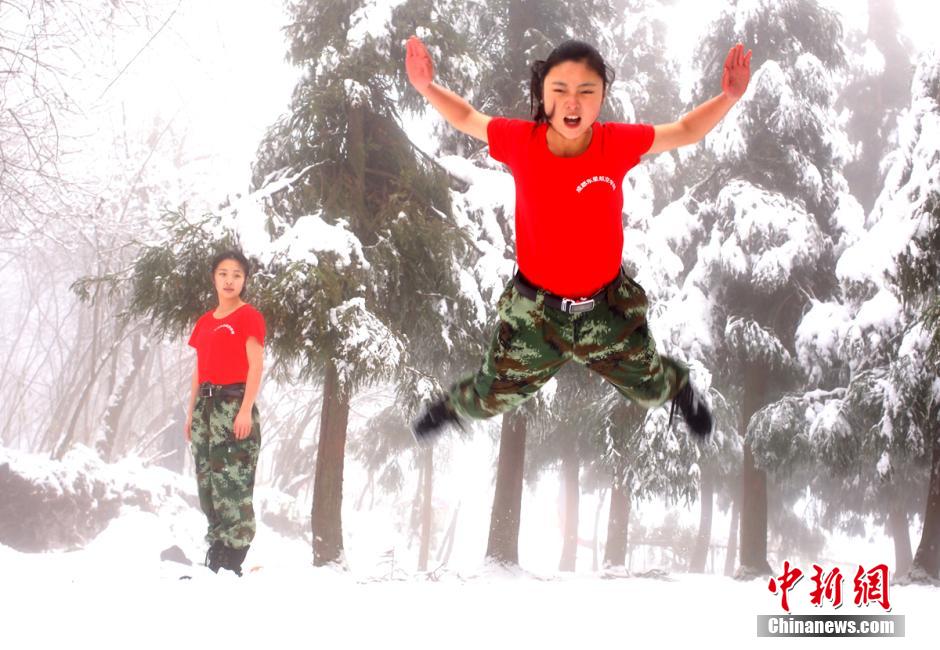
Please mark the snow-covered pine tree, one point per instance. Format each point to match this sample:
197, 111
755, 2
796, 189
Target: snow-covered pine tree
769, 213
849, 344
359, 169
912, 197
349, 228
877, 434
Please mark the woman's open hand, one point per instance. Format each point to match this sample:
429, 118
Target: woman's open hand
737, 72
418, 64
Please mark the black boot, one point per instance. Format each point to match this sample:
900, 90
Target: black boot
431, 423
214, 556
233, 558
694, 411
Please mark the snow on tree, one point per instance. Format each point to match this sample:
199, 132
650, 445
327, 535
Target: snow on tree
769, 218
350, 232
911, 198
646, 89
876, 435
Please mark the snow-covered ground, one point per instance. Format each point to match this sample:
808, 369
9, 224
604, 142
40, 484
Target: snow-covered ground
116, 592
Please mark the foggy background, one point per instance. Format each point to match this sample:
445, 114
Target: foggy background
788, 259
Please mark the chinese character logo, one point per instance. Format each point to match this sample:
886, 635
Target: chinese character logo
828, 586
870, 586
787, 581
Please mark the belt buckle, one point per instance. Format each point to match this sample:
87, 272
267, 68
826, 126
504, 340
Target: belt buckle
206, 391
570, 306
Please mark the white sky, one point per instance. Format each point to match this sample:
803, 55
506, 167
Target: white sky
219, 67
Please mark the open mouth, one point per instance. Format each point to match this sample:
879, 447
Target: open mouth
572, 122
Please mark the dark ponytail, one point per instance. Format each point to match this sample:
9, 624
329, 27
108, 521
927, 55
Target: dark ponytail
567, 51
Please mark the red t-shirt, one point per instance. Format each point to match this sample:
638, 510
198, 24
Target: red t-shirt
569, 232
220, 344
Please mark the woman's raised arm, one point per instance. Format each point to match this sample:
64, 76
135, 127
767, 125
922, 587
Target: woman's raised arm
453, 108
694, 125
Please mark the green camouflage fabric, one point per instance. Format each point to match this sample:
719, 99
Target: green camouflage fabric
225, 469
532, 342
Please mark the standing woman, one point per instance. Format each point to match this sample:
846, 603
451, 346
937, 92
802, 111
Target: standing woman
222, 424
571, 299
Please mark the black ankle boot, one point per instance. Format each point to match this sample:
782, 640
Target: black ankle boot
431, 423
694, 411
233, 558
214, 556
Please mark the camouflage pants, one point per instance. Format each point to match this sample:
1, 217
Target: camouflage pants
225, 469
533, 341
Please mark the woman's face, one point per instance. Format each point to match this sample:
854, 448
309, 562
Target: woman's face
229, 278
572, 94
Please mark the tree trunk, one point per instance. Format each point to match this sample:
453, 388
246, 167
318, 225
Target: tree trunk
326, 517
700, 553
289, 466
82, 402
900, 532
172, 442
521, 17
426, 511
503, 543
69, 384
595, 544
365, 490
414, 523
927, 558
753, 517
356, 155
572, 490
618, 523
731, 550
118, 399
753, 485
447, 544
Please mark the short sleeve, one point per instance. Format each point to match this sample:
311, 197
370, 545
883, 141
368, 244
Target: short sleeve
194, 337
254, 325
631, 140
507, 138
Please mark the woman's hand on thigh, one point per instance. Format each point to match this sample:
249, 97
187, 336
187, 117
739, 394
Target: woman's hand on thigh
242, 425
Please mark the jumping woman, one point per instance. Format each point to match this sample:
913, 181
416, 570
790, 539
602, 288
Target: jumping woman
570, 298
223, 425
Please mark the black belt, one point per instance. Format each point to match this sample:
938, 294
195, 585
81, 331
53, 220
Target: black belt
221, 390
566, 305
